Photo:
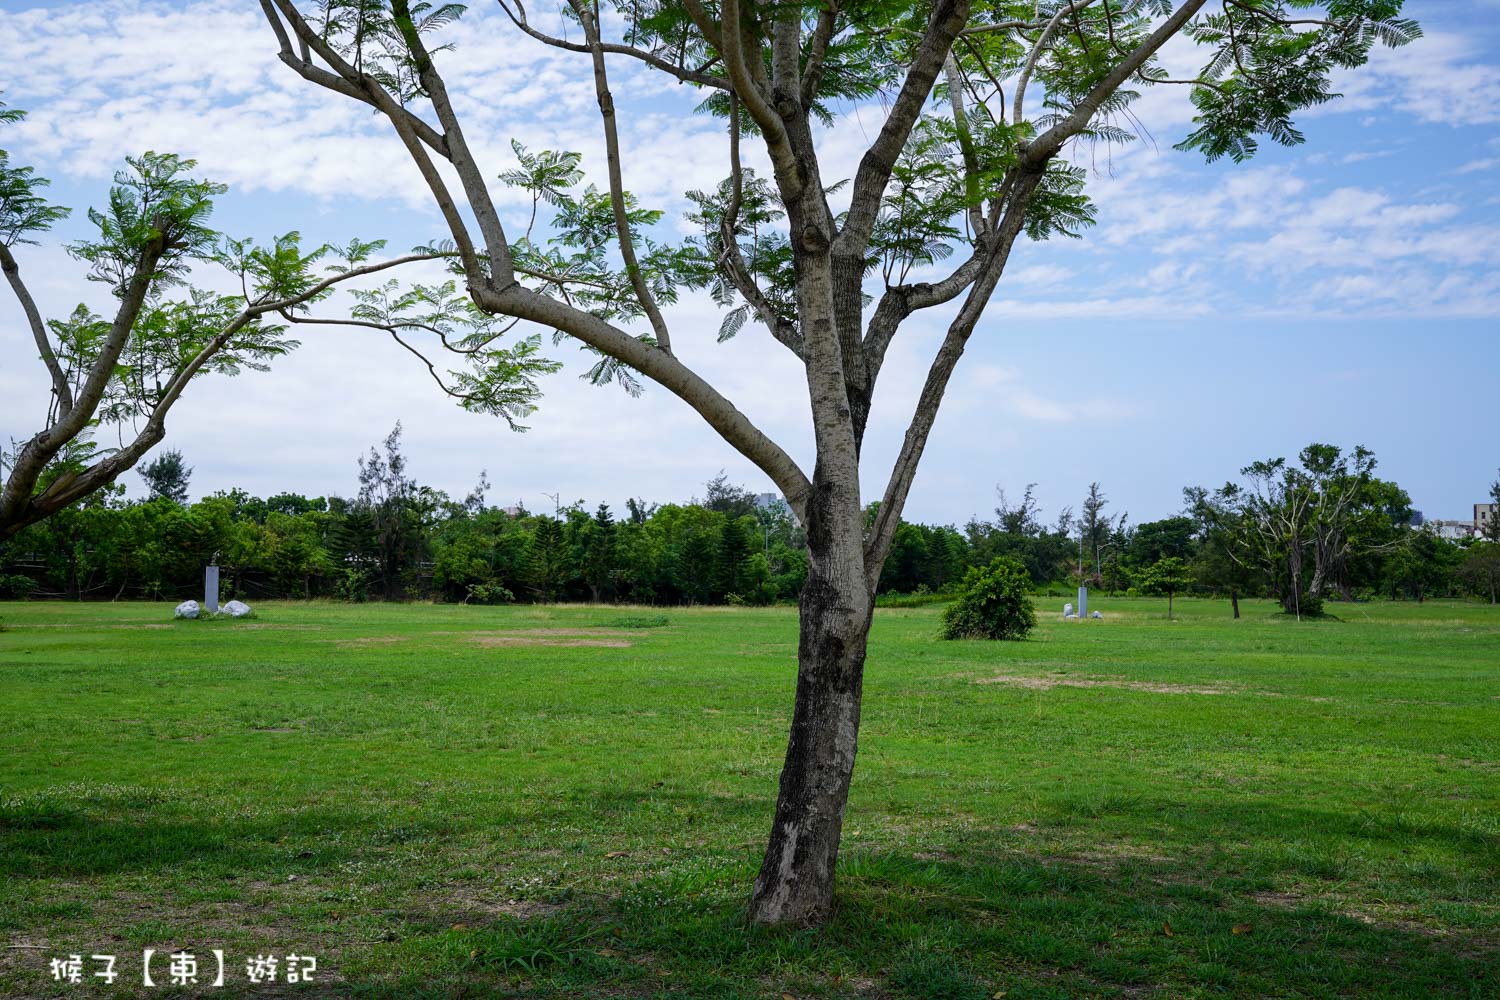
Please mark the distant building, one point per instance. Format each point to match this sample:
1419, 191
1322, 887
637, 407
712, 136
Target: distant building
1452, 530
1484, 513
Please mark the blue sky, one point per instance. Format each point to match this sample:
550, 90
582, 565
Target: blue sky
1346, 290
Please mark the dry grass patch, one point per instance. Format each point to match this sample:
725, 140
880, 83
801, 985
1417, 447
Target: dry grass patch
365, 642
1056, 681
561, 638
534, 640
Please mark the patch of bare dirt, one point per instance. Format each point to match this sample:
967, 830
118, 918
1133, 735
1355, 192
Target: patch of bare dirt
1055, 681
1402, 918
1281, 900
519, 639
471, 904
535, 632
365, 642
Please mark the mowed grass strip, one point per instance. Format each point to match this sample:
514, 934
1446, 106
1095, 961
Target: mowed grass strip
571, 801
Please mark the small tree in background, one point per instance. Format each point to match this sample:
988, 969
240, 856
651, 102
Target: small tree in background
1167, 576
993, 603
167, 476
1480, 569
128, 368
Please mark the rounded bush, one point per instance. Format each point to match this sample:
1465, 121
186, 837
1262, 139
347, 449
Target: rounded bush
993, 603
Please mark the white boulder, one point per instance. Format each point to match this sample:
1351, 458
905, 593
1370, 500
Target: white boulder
187, 609
1067, 611
1096, 614
236, 609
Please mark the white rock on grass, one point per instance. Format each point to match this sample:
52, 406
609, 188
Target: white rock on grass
187, 609
237, 609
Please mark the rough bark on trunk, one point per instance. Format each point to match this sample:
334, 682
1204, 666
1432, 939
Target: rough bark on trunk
796, 878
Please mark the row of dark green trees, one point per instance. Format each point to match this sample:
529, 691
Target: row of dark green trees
1324, 527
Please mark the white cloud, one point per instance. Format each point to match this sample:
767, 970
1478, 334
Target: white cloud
1474, 166
1439, 79
1031, 406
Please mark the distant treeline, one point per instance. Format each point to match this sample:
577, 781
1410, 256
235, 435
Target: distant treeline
399, 540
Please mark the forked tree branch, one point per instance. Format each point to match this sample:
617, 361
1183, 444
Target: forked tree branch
1035, 55
924, 416
874, 173
747, 78
504, 296
1046, 145
378, 97
313, 73
502, 269
817, 50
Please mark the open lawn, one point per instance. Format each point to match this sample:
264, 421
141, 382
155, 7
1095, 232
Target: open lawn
571, 801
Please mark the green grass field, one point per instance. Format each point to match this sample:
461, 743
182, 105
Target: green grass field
571, 801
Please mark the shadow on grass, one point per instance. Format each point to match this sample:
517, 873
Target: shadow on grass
101, 831
952, 928
979, 912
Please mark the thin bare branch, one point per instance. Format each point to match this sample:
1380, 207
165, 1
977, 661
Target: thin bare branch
925, 414
1046, 145
817, 50
377, 96
682, 73
589, 20
663, 368
60, 388
1035, 55
309, 71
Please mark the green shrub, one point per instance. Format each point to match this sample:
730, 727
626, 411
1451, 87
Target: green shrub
15, 587
489, 593
353, 585
992, 604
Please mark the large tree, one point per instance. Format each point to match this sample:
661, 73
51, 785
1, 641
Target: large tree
983, 100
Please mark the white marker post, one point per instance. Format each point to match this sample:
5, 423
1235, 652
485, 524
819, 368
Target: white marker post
1083, 602
211, 589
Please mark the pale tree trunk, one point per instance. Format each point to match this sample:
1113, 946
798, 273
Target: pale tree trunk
796, 878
